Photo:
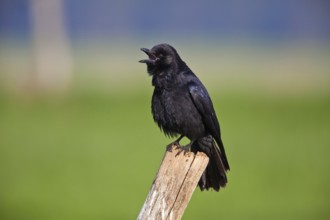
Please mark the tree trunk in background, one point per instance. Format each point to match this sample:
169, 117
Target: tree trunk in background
51, 56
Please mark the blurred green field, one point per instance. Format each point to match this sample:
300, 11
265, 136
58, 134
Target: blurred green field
94, 155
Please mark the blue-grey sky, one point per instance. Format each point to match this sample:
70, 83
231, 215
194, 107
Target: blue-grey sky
275, 19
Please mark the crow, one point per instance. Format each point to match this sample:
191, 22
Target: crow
182, 106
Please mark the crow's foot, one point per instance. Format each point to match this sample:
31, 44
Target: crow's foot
176, 143
185, 149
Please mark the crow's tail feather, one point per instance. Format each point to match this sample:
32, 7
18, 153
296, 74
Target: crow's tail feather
214, 175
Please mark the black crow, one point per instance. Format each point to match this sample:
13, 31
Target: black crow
182, 106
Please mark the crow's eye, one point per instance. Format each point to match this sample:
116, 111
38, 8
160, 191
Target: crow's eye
161, 55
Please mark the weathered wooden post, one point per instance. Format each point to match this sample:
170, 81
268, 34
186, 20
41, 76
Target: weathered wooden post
173, 185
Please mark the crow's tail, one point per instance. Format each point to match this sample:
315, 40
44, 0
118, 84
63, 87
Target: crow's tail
214, 175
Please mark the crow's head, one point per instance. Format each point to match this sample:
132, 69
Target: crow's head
162, 57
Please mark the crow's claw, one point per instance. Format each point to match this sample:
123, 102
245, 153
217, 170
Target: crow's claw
170, 146
184, 149
176, 143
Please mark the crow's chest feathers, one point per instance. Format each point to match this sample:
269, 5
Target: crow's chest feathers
167, 111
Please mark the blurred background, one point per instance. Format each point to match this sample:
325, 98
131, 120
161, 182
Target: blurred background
77, 139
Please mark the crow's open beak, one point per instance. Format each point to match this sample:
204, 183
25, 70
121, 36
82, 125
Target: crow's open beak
146, 50
152, 58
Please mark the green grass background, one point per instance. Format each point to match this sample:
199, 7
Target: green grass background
93, 154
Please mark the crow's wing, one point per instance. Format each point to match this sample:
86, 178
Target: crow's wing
203, 103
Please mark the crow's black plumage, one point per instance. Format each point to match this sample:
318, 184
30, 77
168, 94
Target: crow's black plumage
182, 106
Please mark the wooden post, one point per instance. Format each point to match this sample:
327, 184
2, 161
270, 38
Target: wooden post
174, 185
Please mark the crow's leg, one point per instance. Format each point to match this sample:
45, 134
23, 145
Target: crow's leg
176, 143
186, 148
